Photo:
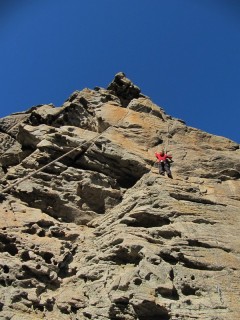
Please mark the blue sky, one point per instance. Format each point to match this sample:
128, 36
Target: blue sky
183, 54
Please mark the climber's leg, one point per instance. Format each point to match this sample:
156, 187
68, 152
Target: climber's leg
167, 169
161, 168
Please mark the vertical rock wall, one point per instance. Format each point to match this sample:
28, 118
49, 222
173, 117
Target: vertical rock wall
99, 234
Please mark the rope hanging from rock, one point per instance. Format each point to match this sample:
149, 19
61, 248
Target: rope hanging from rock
167, 143
91, 141
50, 163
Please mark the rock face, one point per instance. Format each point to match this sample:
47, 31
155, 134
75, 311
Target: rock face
98, 233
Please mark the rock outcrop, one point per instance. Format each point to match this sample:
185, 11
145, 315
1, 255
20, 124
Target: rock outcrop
98, 233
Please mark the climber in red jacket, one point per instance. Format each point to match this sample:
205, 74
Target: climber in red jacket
164, 160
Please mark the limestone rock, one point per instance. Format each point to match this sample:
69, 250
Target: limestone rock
90, 230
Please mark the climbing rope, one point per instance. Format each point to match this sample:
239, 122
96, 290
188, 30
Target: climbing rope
166, 145
168, 133
50, 163
91, 141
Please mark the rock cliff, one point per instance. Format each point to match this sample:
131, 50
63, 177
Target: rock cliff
90, 230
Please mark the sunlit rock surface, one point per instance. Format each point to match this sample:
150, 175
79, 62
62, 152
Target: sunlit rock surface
99, 234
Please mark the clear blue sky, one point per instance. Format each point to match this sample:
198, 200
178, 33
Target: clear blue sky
183, 54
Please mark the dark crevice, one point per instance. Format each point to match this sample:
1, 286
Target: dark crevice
47, 306
127, 181
171, 275
203, 221
147, 220
5, 269
187, 290
167, 257
45, 223
29, 230
187, 197
3, 283
4, 238
64, 271
19, 296
123, 257
148, 310
197, 243
166, 293
137, 281
47, 256
124, 260
200, 265
117, 309
5, 170
166, 234
177, 257
125, 175
41, 233
11, 249
87, 315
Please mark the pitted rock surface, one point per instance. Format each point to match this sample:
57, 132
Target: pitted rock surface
98, 233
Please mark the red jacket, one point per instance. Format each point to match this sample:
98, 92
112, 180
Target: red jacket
162, 156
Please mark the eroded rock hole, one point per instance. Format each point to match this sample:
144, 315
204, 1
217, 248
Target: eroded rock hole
124, 256
127, 182
38, 307
200, 265
47, 256
168, 293
87, 315
3, 283
171, 275
74, 309
41, 233
31, 229
11, 248
137, 281
117, 309
150, 311
45, 223
166, 256
187, 290
147, 220
19, 296
48, 306
5, 269
203, 221
25, 256
5, 239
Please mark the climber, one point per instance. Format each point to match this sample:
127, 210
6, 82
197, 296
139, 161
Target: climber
164, 161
